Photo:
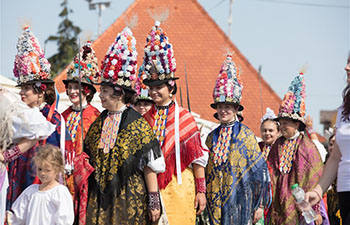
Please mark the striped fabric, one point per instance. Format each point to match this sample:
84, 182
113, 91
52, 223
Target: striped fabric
190, 142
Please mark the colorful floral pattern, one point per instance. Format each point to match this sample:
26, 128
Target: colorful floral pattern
159, 55
30, 62
120, 63
228, 86
88, 65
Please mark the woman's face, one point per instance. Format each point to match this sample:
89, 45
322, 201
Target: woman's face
347, 69
160, 94
226, 112
73, 93
288, 127
109, 101
269, 132
29, 96
143, 106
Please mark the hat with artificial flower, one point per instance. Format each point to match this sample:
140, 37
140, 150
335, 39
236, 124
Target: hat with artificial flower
293, 103
269, 115
88, 67
142, 91
159, 63
228, 86
31, 66
120, 63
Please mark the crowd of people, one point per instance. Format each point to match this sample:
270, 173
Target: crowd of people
141, 160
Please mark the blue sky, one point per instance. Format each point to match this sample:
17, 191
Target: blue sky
279, 35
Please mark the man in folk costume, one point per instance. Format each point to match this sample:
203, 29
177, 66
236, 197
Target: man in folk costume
293, 158
77, 167
237, 177
122, 147
37, 90
182, 185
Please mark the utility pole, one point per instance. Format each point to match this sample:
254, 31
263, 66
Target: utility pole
100, 6
230, 19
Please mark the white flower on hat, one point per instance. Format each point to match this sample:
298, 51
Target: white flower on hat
153, 53
127, 83
162, 44
126, 52
114, 61
156, 47
111, 73
120, 73
148, 67
120, 81
127, 74
129, 68
106, 60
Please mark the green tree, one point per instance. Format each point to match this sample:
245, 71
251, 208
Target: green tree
66, 40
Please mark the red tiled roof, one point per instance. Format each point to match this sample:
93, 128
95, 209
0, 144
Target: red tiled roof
198, 42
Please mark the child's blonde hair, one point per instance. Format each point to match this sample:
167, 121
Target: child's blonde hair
50, 154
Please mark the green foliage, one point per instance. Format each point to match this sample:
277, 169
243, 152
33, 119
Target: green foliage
66, 39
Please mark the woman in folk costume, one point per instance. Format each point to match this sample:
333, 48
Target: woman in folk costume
269, 130
182, 185
144, 101
20, 127
37, 90
293, 159
122, 147
77, 168
236, 175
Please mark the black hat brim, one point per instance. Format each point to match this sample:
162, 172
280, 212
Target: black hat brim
215, 105
152, 83
302, 124
116, 85
35, 81
90, 85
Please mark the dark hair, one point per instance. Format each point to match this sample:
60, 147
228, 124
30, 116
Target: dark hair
89, 94
128, 96
272, 120
49, 93
172, 89
346, 104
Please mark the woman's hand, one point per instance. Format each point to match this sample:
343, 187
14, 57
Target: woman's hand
313, 196
319, 220
258, 214
200, 202
154, 215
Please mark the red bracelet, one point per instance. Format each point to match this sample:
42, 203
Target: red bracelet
12, 154
153, 200
200, 185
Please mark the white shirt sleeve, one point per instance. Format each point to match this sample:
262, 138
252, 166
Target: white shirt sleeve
30, 123
65, 211
321, 149
157, 165
203, 160
20, 207
337, 123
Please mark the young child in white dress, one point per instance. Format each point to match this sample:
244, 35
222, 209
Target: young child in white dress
48, 203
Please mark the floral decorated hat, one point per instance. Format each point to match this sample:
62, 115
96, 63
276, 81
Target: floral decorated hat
120, 63
228, 86
142, 91
269, 115
159, 63
293, 103
88, 67
31, 66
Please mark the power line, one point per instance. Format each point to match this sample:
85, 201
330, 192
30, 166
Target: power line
292, 3
306, 4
